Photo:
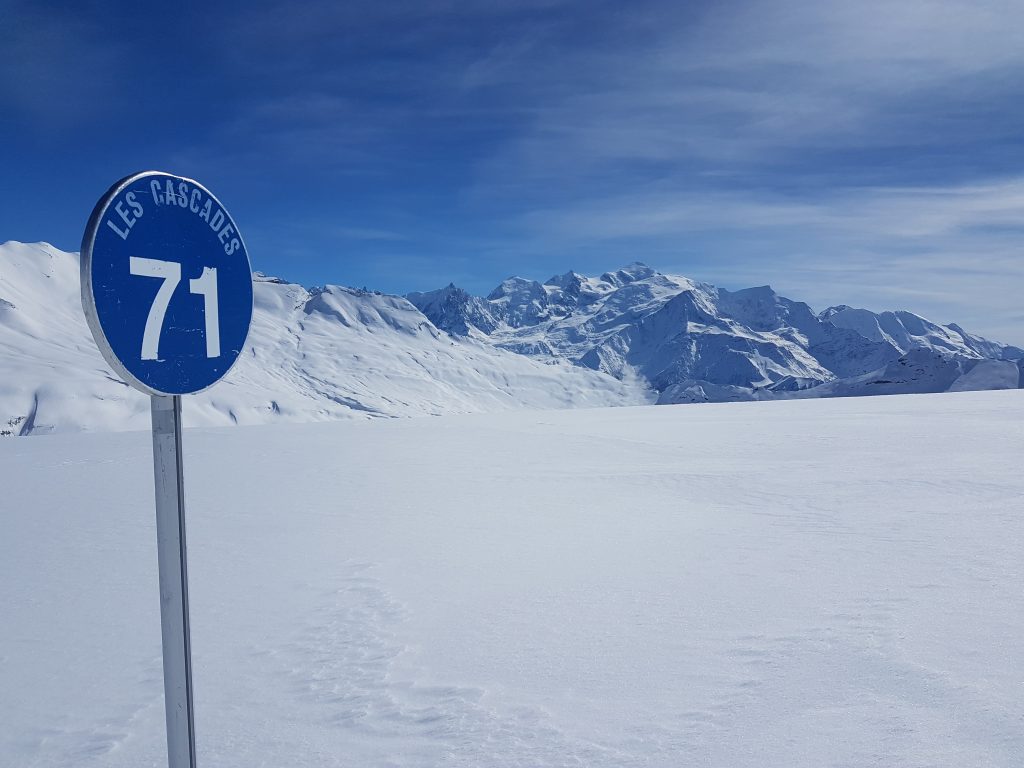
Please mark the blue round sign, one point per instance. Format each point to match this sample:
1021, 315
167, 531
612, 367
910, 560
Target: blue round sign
166, 283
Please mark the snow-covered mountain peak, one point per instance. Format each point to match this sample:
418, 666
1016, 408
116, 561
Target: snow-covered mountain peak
263, 277
826, 314
366, 311
518, 301
516, 288
906, 331
567, 280
630, 273
454, 310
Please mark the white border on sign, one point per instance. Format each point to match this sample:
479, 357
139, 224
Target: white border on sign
89, 299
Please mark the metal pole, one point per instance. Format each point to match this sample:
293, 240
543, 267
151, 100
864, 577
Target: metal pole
170, 536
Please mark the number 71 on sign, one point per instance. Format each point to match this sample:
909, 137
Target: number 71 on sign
170, 272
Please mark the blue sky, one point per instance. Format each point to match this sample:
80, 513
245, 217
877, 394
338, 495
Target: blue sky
869, 152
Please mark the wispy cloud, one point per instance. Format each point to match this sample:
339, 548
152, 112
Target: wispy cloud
870, 213
748, 85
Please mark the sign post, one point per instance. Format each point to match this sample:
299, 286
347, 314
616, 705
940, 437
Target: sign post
149, 234
173, 566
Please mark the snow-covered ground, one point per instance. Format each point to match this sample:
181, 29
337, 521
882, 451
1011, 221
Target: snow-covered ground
807, 583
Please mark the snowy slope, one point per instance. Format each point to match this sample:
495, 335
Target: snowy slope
768, 585
693, 342
326, 354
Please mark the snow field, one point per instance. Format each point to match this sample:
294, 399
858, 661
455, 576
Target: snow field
807, 583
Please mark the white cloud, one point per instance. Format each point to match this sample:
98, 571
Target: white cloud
746, 81
899, 213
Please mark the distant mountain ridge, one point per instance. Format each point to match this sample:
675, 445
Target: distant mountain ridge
694, 342
629, 337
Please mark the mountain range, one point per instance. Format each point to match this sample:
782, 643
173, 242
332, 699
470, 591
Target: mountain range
629, 337
693, 342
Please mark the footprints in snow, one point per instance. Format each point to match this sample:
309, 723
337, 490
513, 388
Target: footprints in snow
341, 665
